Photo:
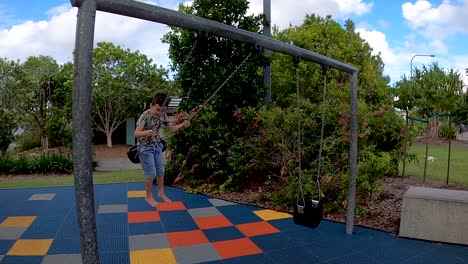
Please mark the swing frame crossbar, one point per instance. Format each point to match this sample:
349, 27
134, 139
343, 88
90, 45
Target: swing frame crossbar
81, 111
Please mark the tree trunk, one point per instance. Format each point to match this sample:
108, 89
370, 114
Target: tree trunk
109, 139
45, 143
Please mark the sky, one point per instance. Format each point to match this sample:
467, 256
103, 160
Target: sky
397, 29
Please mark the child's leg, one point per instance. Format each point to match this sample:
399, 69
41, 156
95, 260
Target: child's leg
149, 192
149, 169
161, 193
160, 163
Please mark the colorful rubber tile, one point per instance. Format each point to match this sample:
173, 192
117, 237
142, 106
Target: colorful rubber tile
30, 247
268, 215
143, 217
136, 194
236, 248
18, 221
163, 255
186, 238
212, 222
257, 229
172, 206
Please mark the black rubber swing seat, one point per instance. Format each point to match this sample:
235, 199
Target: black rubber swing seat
310, 214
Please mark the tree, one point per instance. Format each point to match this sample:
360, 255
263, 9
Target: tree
122, 83
437, 91
9, 71
36, 90
205, 61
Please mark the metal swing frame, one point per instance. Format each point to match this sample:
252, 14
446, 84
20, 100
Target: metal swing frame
81, 111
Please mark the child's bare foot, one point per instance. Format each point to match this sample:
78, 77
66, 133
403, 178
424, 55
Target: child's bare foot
151, 201
164, 198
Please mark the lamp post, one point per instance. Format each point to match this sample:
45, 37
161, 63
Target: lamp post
407, 113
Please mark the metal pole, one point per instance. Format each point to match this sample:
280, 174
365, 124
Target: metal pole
352, 155
449, 149
82, 130
170, 17
267, 33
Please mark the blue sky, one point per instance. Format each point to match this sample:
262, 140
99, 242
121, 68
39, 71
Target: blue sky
398, 29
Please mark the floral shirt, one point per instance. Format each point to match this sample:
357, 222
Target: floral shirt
147, 122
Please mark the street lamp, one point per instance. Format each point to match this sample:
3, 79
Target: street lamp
407, 113
418, 55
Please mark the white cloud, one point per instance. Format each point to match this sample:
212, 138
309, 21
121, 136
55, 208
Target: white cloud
56, 36
437, 22
283, 12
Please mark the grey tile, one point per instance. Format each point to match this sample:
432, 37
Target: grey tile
61, 259
204, 212
42, 196
10, 233
151, 241
196, 254
219, 202
112, 208
1, 257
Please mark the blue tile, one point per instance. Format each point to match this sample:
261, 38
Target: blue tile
65, 246
5, 246
176, 221
22, 260
197, 201
112, 244
353, 259
115, 218
112, 229
239, 214
43, 227
253, 259
273, 242
401, 250
115, 258
138, 205
145, 228
223, 233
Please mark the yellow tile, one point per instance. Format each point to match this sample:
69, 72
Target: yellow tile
163, 255
267, 215
14, 221
136, 194
30, 247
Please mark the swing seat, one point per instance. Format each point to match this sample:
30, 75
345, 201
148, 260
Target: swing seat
310, 214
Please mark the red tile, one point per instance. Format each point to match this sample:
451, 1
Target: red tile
257, 229
186, 238
142, 217
236, 248
212, 222
172, 206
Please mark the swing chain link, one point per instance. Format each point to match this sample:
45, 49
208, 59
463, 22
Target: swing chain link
225, 82
299, 131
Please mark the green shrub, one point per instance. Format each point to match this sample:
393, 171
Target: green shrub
28, 140
36, 164
446, 132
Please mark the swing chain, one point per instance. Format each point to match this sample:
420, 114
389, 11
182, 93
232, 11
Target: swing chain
225, 82
324, 98
299, 130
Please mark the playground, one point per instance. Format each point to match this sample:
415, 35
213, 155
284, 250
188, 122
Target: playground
42, 227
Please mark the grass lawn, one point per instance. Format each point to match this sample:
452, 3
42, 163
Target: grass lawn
437, 169
68, 180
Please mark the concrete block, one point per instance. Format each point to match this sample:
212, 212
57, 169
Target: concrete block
435, 215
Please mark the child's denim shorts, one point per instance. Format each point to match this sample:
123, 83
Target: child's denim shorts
152, 160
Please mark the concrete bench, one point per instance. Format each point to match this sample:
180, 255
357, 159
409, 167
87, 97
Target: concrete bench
435, 214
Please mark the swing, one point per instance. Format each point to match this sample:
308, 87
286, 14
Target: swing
309, 213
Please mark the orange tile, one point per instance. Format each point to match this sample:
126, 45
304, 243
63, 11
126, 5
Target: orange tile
186, 238
212, 222
172, 206
142, 217
257, 229
236, 248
